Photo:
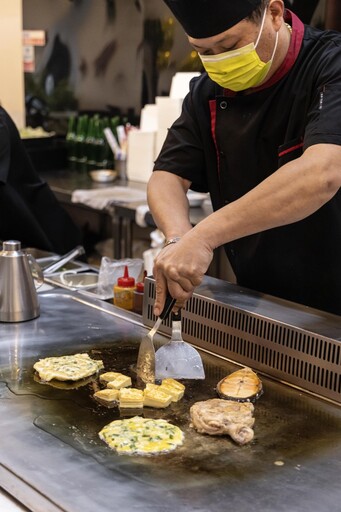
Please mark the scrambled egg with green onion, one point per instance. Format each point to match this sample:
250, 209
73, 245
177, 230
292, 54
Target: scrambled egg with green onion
141, 436
74, 367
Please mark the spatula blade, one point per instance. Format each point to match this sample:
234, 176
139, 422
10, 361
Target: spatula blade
178, 360
145, 367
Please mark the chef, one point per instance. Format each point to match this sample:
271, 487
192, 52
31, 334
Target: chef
260, 130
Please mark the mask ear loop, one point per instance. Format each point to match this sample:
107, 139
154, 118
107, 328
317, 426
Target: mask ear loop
276, 43
261, 28
260, 33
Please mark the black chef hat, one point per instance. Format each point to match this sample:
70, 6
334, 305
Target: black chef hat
206, 18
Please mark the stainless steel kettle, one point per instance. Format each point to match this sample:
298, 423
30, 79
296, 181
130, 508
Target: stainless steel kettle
18, 296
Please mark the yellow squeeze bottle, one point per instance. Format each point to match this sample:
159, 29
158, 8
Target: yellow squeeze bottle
124, 291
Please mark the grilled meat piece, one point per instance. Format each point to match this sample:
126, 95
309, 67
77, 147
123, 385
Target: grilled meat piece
218, 417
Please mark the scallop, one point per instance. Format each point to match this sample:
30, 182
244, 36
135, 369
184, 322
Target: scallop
242, 386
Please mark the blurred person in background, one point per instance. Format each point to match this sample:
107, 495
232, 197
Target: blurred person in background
304, 9
29, 211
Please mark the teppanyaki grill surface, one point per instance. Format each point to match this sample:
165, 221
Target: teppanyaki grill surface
292, 430
287, 429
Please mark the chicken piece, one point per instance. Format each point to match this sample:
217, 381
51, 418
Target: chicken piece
218, 417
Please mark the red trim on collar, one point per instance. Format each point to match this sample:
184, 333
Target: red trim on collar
291, 56
293, 51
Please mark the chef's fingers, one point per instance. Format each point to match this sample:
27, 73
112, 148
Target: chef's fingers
181, 290
179, 268
183, 271
160, 290
179, 293
163, 286
184, 277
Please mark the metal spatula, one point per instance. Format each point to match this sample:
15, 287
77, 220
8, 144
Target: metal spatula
145, 367
178, 359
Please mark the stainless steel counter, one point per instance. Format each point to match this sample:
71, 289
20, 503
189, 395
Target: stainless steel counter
51, 458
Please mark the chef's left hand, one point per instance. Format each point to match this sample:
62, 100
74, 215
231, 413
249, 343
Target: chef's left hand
179, 268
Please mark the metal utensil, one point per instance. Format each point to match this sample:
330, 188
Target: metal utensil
145, 367
56, 265
178, 359
18, 297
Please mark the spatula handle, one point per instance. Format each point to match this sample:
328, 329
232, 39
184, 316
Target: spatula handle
176, 317
169, 304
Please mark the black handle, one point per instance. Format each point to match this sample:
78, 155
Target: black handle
176, 317
169, 304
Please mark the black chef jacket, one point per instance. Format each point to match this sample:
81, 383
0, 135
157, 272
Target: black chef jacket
226, 143
29, 211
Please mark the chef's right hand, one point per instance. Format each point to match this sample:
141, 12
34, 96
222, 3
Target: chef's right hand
179, 268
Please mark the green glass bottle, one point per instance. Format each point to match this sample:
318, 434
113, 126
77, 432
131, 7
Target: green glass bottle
71, 142
99, 144
90, 145
108, 157
80, 142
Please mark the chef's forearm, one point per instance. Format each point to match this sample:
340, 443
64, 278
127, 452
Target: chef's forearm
168, 203
292, 193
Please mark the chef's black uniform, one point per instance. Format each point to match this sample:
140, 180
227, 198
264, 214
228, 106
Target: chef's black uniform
29, 211
226, 143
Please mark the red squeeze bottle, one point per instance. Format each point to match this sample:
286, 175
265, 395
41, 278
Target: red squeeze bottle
124, 291
138, 296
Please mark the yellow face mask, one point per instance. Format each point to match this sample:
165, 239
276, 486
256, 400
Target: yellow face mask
239, 69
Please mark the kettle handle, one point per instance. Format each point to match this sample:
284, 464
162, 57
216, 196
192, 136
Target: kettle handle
36, 270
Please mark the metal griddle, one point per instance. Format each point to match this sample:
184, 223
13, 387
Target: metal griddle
51, 458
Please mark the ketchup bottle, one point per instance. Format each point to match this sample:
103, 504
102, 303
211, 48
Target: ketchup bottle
124, 291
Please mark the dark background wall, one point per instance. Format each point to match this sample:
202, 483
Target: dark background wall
102, 53
112, 54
